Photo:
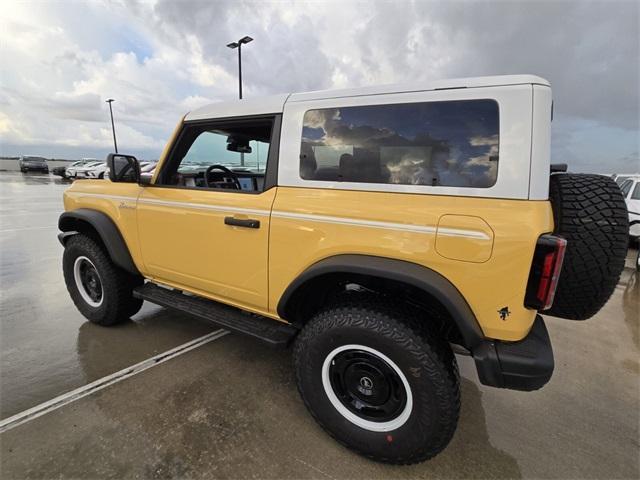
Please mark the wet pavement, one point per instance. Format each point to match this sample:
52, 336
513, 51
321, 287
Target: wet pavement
46, 347
230, 409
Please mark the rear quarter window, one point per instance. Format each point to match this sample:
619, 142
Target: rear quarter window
452, 143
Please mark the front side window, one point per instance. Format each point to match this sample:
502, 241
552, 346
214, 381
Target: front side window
216, 156
636, 192
453, 143
211, 148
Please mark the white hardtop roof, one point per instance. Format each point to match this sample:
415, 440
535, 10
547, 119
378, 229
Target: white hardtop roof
275, 103
239, 108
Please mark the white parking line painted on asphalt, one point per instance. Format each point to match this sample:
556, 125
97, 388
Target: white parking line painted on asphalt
78, 393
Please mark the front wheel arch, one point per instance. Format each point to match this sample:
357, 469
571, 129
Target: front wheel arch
101, 227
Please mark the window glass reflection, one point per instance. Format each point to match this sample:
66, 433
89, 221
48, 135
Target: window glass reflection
437, 143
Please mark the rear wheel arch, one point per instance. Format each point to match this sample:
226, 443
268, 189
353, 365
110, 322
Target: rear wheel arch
99, 226
418, 284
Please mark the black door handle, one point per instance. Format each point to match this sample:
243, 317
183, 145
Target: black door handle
239, 222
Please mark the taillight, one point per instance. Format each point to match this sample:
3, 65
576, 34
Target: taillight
545, 272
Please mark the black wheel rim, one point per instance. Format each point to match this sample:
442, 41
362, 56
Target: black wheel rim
367, 385
90, 281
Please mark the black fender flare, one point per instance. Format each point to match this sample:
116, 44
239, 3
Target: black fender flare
410, 273
70, 223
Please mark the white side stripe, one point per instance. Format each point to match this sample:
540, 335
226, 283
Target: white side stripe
352, 221
455, 232
203, 206
450, 232
384, 225
103, 195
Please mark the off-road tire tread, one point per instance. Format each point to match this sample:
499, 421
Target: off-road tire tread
404, 325
117, 284
590, 213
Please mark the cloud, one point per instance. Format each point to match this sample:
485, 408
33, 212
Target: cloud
162, 58
479, 141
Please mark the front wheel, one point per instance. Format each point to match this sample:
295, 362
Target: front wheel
377, 380
101, 291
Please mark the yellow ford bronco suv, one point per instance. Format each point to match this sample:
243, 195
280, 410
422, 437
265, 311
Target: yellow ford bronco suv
376, 230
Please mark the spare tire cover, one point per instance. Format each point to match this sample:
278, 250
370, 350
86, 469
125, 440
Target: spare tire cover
590, 213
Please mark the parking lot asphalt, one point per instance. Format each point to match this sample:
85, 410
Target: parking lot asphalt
46, 346
230, 409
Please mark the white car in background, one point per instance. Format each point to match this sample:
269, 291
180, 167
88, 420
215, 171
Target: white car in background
70, 170
81, 172
631, 192
148, 170
78, 169
99, 171
620, 178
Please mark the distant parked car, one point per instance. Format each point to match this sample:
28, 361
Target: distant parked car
101, 170
28, 163
81, 171
70, 171
620, 178
60, 171
98, 171
631, 191
148, 170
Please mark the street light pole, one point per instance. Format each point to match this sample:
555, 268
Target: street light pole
238, 45
113, 128
240, 70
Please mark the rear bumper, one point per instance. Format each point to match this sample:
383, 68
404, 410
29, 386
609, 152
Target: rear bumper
524, 365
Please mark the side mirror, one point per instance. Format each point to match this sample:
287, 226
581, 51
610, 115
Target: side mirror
123, 168
145, 179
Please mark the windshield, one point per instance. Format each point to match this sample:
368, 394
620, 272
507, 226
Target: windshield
34, 159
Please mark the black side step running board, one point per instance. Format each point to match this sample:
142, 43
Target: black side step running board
271, 331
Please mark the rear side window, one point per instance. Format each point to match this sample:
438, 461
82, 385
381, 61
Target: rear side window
636, 192
453, 143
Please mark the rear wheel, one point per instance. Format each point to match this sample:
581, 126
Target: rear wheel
100, 290
590, 213
377, 381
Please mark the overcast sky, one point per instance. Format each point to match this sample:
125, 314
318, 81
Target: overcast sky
61, 60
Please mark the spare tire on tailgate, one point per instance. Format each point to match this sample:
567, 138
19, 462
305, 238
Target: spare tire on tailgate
590, 213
